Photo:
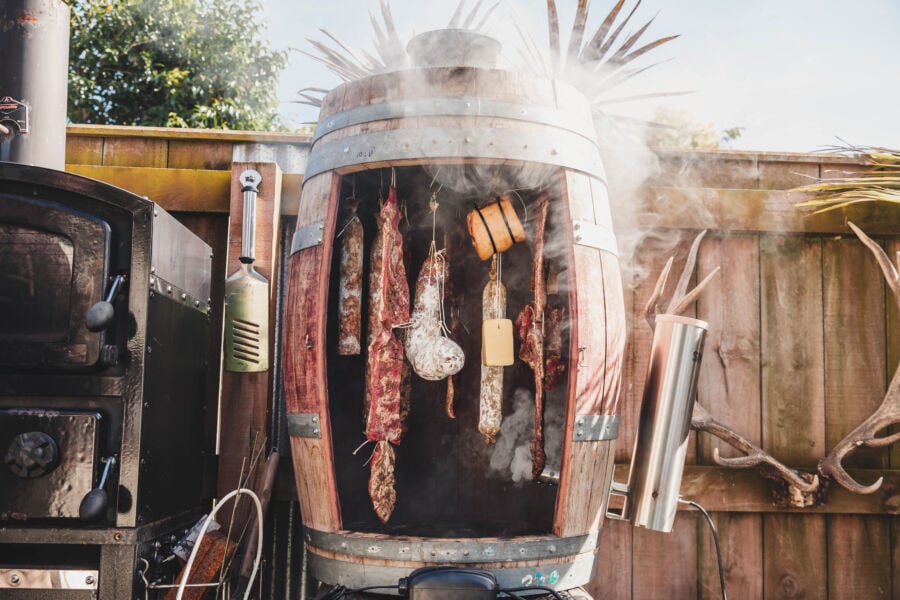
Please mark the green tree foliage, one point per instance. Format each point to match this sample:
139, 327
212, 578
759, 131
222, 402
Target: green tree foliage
678, 128
176, 63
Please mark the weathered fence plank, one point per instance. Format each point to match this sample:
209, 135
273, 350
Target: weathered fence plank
791, 342
729, 375
740, 538
854, 343
612, 573
794, 557
858, 551
893, 345
665, 564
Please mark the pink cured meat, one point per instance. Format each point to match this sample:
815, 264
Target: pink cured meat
389, 307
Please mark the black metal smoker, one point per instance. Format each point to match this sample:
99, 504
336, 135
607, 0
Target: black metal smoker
104, 336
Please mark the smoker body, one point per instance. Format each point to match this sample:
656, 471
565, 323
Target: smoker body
134, 391
434, 124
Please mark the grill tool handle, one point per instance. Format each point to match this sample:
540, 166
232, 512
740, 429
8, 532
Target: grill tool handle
250, 180
93, 505
100, 315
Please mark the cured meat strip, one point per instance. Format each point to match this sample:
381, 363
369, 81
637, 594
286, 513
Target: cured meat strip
554, 367
389, 306
381, 481
529, 324
490, 412
350, 294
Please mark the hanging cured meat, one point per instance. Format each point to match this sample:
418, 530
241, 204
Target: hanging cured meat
350, 293
554, 367
432, 354
529, 325
491, 399
389, 307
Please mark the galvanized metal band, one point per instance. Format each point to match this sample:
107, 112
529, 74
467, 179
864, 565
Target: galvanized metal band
308, 236
468, 551
559, 575
304, 425
531, 143
48, 579
576, 119
595, 236
161, 287
596, 428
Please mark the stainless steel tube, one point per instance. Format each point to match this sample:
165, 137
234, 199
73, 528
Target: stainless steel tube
657, 462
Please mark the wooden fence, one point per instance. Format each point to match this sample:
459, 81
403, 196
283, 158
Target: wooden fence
801, 345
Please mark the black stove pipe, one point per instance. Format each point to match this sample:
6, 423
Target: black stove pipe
34, 57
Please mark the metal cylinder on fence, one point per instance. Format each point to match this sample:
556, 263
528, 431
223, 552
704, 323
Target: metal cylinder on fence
661, 442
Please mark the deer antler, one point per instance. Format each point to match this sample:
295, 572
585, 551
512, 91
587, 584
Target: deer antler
886, 414
801, 488
795, 488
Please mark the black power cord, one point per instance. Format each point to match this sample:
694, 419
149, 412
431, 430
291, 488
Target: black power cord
511, 592
715, 535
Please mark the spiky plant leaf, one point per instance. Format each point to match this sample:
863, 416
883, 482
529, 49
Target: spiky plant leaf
881, 183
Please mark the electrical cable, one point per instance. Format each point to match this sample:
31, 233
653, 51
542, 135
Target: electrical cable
338, 592
715, 535
511, 591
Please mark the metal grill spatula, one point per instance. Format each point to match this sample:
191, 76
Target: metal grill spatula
247, 296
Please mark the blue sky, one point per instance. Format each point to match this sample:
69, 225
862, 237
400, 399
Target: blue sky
795, 74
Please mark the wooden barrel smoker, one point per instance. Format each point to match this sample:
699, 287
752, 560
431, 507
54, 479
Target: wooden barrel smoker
441, 124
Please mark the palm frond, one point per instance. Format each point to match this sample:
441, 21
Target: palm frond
881, 183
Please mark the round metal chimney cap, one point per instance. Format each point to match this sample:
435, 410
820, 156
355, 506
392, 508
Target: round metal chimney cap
454, 48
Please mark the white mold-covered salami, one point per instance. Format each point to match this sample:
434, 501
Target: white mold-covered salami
432, 355
350, 296
491, 403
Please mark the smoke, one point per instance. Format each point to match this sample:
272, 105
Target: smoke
511, 456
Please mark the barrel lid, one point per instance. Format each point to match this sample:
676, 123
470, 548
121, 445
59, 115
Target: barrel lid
454, 48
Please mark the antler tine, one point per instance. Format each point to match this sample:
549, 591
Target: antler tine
887, 414
891, 273
681, 299
689, 264
755, 456
865, 436
651, 309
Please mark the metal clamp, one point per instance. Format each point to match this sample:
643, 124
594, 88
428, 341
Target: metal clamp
595, 428
594, 236
308, 236
304, 425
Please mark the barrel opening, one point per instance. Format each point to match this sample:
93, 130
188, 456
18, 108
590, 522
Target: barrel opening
449, 481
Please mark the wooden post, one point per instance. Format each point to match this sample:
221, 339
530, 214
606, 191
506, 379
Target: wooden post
244, 401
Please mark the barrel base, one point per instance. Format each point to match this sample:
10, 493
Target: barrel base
356, 560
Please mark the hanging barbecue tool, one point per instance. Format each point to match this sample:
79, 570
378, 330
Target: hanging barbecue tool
247, 295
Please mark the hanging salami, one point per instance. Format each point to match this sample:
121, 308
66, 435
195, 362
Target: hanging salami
350, 293
389, 307
491, 398
431, 353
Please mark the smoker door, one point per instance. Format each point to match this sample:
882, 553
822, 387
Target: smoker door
53, 268
49, 460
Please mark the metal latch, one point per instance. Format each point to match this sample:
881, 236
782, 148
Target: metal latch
304, 425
